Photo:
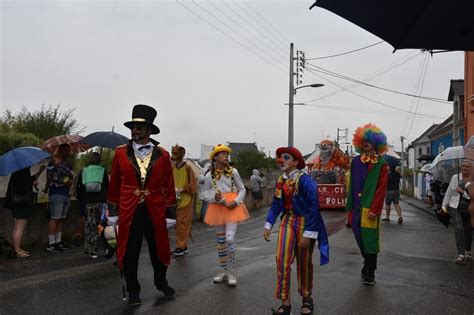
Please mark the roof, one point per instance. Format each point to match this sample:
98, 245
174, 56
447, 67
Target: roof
425, 134
238, 147
426, 157
455, 88
444, 128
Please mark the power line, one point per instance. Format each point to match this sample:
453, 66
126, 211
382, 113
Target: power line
278, 53
383, 70
229, 27
230, 37
421, 89
367, 98
347, 52
285, 44
266, 21
366, 111
415, 91
340, 76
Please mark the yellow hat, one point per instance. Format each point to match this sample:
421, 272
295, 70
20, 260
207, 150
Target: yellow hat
218, 149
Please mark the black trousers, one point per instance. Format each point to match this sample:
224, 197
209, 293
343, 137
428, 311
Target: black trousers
142, 226
370, 264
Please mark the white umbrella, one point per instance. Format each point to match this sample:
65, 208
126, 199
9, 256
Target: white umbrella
426, 168
447, 163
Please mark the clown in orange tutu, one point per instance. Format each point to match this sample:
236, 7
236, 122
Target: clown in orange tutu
225, 193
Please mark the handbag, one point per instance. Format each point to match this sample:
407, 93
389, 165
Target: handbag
443, 217
463, 204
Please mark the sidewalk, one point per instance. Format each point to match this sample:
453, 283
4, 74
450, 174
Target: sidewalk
418, 204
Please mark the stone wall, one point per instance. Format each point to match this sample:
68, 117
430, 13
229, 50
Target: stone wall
37, 229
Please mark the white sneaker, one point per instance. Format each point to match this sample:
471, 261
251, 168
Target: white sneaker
220, 277
231, 280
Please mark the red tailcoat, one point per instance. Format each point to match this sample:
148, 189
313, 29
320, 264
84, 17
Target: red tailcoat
158, 191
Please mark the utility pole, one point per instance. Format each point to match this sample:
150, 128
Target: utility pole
402, 138
290, 101
342, 134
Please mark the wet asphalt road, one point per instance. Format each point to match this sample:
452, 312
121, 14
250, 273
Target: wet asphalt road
416, 274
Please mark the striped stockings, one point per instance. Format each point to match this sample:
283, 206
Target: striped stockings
289, 235
226, 245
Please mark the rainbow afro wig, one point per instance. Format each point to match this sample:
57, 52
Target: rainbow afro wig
372, 134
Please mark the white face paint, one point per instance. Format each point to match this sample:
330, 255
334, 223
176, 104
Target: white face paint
287, 163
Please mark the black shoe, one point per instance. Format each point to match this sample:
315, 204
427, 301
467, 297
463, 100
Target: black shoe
134, 299
77, 241
178, 252
168, 291
54, 248
369, 280
63, 245
185, 250
109, 253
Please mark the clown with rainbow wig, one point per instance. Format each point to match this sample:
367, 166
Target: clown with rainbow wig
367, 186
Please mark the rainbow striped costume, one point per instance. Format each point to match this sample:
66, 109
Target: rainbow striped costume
296, 199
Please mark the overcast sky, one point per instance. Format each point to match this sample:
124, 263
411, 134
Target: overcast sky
102, 57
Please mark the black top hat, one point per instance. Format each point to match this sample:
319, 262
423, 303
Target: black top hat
143, 114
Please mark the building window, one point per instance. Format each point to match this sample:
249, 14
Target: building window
420, 151
427, 150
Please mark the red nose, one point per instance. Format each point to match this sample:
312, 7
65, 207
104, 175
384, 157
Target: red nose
280, 161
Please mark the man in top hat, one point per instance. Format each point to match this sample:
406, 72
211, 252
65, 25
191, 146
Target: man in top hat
366, 194
142, 187
296, 200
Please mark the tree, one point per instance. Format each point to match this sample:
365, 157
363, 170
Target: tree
44, 123
11, 139
248, 160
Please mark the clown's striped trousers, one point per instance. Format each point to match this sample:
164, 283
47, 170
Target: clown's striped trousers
289, 235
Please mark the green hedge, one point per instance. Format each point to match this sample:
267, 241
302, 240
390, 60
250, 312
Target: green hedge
11, 140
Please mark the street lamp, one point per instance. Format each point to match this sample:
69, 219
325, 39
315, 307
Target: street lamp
314, 85
291, 109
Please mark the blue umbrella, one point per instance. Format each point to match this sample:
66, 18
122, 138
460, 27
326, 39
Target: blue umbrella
107, 139
392, 161
20, 158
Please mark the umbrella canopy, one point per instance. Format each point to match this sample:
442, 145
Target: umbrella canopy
106, 139
392, 161
420, 24
426, 168
469, 149
447, 163
20, 158
51, 145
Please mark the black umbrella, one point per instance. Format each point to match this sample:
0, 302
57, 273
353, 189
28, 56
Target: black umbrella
106, 139
391, 160
419, 24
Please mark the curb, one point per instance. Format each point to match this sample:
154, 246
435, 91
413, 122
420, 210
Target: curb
411, 202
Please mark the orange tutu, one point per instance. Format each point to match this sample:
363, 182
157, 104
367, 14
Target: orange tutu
218, 214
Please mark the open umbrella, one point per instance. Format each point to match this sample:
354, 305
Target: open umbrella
420, 24
469, 149
106, 139
392, 161
20, 158
51, 145
447, 163
426, 168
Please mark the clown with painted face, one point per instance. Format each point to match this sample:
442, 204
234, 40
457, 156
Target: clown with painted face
225, 193
366, 194
186, 187
296, 200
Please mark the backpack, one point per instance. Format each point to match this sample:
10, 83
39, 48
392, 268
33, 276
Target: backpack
92, 177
